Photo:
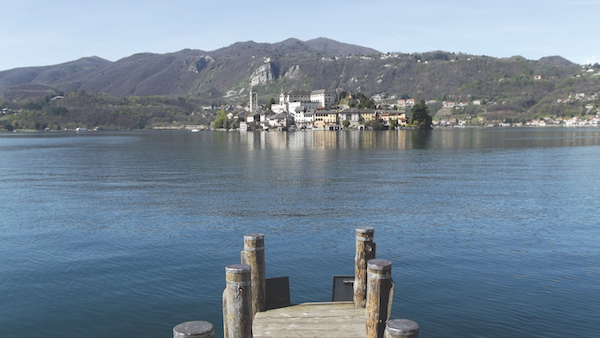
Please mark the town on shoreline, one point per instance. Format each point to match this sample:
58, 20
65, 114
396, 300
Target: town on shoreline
295, 110
322, 110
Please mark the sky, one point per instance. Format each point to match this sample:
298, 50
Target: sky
42, 32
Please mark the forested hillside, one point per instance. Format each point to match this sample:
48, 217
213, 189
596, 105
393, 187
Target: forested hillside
513, 87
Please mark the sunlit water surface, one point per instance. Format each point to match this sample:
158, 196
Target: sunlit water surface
492, 233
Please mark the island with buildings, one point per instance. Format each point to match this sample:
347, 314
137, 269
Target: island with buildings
323, 110
317, 110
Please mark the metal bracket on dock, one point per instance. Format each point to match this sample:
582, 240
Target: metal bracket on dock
343, 288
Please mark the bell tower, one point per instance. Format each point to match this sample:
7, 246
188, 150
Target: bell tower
253, 101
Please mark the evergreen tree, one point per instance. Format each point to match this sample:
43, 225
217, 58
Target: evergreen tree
420, 116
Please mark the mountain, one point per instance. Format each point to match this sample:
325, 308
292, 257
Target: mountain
225, 75
50, 74
187, 72
333, 48
556, 60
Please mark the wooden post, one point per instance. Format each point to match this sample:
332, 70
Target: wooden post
379, 284
365, 250
237, 302
401, 328
194, 329
254, 255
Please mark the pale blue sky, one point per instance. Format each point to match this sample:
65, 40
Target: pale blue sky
42, 32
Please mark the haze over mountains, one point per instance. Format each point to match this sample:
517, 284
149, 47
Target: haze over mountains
226, 74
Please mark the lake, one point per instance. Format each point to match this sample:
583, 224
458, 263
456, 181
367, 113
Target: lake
491, 232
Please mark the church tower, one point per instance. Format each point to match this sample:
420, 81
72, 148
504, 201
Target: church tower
282, 97
253, 101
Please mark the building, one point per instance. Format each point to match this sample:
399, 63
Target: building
326, 119
303, 117
350, 115
368, 114
327, 100
253, 102
281, 121
289, 102
393, 115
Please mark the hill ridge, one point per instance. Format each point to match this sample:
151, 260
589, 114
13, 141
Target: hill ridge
226, 74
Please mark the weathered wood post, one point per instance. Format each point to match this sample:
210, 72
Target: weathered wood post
237, 302
194, 329
401, 328
254, 255
365, 250
379, 290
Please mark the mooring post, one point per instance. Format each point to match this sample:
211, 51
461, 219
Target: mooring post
237, 302
379, 285
254, 255
401, 328
194, 329
365, 250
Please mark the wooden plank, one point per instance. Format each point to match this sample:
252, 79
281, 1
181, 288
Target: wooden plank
337, 319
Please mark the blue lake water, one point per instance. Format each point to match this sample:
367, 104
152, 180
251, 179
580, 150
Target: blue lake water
491, 232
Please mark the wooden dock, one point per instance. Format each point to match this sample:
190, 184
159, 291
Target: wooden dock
248, 294
335, 319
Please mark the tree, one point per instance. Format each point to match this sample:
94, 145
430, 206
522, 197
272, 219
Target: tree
346, 123
375, 124
221, 120
420, 116
271, 102
7, 126
364, 102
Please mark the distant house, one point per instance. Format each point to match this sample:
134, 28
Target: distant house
350, 115
539, 77
393, 115
368, 114
266, 116
325, 119
303, 117
281, 121
252, 117
378, 97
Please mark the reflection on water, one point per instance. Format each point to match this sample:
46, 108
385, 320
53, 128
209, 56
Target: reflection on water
129, 232
417, 139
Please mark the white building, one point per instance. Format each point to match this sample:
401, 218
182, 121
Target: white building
305, 106
289, 102
327, 100
303, 117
